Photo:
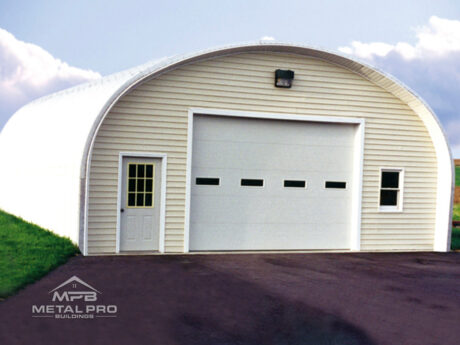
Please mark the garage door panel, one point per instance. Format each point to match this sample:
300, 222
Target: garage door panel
229, 129
254, 209
230, 183
289, 236
229, 154
229, 216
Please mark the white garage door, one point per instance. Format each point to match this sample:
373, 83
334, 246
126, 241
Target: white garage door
261, 184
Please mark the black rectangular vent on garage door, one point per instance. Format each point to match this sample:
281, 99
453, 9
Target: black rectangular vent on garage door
250, 182
294, 183
335, 185
207, 181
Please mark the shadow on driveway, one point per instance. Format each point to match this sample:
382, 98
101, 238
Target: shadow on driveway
252, 299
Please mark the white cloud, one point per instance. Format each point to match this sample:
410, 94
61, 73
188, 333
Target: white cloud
430, 66
267, 38
439, 38
27, 71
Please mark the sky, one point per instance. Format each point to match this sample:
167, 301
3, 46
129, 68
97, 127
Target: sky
49, 45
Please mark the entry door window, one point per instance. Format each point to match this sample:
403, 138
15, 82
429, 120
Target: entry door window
141, 178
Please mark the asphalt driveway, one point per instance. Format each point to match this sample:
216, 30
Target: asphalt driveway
251, 299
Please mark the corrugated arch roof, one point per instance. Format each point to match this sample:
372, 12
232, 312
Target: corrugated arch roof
65, 124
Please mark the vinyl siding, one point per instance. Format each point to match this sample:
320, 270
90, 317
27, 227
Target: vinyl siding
153, 118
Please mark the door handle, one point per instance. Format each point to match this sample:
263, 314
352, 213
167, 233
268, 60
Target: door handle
122, 210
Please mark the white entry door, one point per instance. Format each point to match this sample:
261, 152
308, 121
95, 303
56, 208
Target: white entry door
140, 204
260, 184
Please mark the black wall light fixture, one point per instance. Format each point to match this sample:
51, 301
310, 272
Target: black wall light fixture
284, 78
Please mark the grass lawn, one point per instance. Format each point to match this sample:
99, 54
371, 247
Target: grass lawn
457, 176
455, 240
28, 252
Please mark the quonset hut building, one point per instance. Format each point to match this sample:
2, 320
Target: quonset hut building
242, 148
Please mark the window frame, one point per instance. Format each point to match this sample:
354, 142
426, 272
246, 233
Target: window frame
129, 163
400, 197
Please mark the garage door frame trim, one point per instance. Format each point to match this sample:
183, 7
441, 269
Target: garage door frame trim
357, 164
164, 163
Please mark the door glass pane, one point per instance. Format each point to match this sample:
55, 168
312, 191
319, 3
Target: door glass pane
149, 185
149, 170
140, 170
148, 200
140, 185
132, 170
132, 185
131, 199
140, 200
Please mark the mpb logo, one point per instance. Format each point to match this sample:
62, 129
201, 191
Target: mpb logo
73, 300
71, 296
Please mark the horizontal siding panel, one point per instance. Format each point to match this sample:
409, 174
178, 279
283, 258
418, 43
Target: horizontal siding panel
190, 99
145, 141
398, 237
143, 123
94, 249
403, 227
196, 76
93, 237
220, 81
413, 165
307, 67
376, 246
242, 92
154, 116
174, 249
134, 134
267, 77
139, 147
153, 106
109, 243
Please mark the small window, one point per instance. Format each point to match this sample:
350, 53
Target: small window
390, 191
207, 181
140, 189
249, 182
294, 183
335, 185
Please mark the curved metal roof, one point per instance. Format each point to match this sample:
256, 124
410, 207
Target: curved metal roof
64, 124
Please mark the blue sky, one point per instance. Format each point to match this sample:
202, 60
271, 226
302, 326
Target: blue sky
49, 45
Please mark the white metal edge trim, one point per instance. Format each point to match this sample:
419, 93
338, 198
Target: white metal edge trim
88, 150
164, 178
358, 164
188, 181
355, 236
119, 191
85, 213
164, 159
274, 116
